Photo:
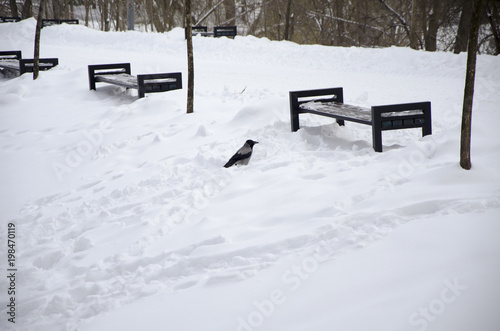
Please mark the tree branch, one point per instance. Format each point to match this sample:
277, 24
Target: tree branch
312, 13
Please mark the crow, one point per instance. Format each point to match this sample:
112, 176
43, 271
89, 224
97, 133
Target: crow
243, 155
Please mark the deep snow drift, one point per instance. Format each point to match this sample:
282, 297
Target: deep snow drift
126, 220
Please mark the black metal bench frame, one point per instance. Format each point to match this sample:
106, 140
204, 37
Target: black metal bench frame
219, 31
225, 31
49, 22
120, 74
6, 19
198, 30
380, 118
21, 66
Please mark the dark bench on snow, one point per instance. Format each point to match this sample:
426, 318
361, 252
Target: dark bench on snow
225, 31
219, 31
199, 31
50, 22
11, 61
380, 118
5, 19
120, 74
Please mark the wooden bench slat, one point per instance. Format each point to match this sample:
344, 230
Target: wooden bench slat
361, 114
10, 64
124, 80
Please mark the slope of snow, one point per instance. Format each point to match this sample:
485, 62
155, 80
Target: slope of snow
125, 218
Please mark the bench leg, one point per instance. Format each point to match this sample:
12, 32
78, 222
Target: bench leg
340, 122
141, 92
91, 78
377, 131
294, 114
377, 140
427, 128
295, 121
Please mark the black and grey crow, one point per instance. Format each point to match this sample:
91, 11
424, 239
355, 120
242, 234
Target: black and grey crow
243, 155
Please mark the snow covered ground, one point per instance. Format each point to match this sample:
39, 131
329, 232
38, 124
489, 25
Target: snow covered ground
125, 218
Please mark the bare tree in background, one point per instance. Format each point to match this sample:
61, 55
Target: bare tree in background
13, 8
420, 24
494, 20
465, 139
463, 26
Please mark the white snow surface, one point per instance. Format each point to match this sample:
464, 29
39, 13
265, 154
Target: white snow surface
126, 220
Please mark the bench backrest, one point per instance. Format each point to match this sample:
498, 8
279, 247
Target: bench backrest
108, 69
27, 65
335, 94
195, 30
50, 22
10, 55
4, 19
225, 31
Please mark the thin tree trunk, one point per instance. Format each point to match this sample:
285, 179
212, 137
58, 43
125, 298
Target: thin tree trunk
36, 57
13, 8
463, 27
27, 9
190, 91
230, 12
492, 12
287, 19
431, 37
465, 140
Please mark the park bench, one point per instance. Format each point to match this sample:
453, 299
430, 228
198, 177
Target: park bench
120, 74
50, 22
381, 118
225, 31
199, 31
6, 19
11, 61
219, 31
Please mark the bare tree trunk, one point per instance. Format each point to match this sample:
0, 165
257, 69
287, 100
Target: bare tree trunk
463, 27
13, 8
492, 14
465, 138
230, 11
287, 19
431, 36
414, 25
27, 9
36, 57
87, 9
190, 91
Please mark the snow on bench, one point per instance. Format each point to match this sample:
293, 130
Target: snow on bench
11, 61
380, 118
120, 74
